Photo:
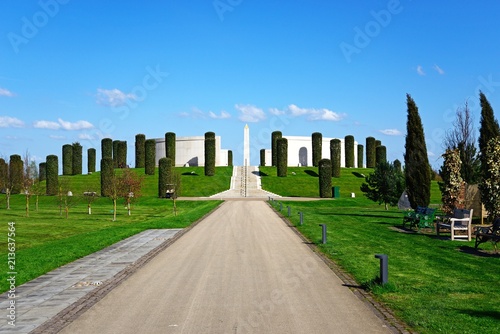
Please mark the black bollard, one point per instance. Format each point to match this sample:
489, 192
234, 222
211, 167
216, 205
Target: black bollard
323, 240
289, 211
301, 218
281, 206
384, 268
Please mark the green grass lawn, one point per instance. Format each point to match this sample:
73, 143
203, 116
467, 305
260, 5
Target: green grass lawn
435, 285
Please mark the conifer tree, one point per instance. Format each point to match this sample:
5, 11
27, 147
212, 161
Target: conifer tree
282, 157
140, 147
317, 140
417, 168
488, 129
170, 141
274, 147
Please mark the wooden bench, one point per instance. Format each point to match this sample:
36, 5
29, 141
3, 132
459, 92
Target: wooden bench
488, 233
422, 217
460, 221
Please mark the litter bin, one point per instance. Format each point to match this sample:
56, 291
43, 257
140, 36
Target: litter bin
335, 192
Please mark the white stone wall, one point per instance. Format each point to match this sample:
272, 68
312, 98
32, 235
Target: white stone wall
191, 150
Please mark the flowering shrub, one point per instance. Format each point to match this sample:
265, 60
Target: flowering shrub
490, 184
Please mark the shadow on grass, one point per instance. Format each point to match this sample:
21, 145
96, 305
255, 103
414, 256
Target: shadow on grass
358, 175
311, 173
259, 173
482, 314
478, 252
353, 215
190, 174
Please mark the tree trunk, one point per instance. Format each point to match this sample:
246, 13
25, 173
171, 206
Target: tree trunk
114, 209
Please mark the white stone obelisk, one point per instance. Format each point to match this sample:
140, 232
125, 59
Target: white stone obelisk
246, 146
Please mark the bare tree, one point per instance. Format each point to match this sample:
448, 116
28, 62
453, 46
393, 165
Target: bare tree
463, 137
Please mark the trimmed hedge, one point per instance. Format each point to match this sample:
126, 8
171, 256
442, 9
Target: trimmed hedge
209, 154
335, 156
106, 148
91, 160
165, 172
4, 174
397, 165
380, 154
317, 141
122, 154
360, 156
325, 178
170, 140
77, 159
263, 157
150, 159
107, 174
140, 148
370, 152
282, 157
52, 173
274, 147
349, 151
67, 157
115, 153
42, 171
230, 158
16, 173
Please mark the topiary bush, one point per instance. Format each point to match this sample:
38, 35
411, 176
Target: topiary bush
91, 160
325, 178
106, 148
165, 173
4, 174
360, 156
274, 147
16, 174
230, 158
317, 140
370, 152
122, 154
335, 156
150, 159
380, 154
115, 153
140, 142
52, 173
349, 151
77, 159
282, 157
170, 140
209, 154
263, 157
42, 171
107, 175
67, 157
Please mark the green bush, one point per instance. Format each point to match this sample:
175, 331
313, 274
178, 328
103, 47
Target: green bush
360, 156
107, 148
335, 156
122, 154
209, 154
140, 142
370, 152
274, 147
42, 171
325, 178
150, 159
230, 158
397, 165
107, 175
317, 141
16, 173
349, 151
67, 157
263, 157
165, 172
380, 154
77, 159
282, 157
91, 160
52, 173
4, 174
115, 153
170, 140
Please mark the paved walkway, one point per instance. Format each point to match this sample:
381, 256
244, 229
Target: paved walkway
240, 270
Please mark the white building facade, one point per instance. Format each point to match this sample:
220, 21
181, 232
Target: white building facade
190, 151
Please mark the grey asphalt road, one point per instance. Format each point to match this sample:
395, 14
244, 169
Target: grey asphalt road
240, 270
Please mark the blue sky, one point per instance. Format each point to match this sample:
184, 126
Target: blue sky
83, 70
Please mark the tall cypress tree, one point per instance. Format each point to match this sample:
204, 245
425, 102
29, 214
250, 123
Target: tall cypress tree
140, 140
349, 151
4, 174
170, 140
488, 129
335, 156
122, 154
230, 158
150, 158
77, 159
52, 173
91, 160
107, 148
282, 157
274, 147
263, 157
115, 153
209, 154
16, 173
380, 154
360, 156
107, 174
317, 140
370, 152
67, 159
417, 168
325, 178
42, 172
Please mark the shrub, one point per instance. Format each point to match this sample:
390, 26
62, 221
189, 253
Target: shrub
115, 153
4, 174
335, 156
140, 142
317, 140
52, 173
452, 183
16, 173
77, 159
370, 152
360, 156
380, 154
165, 172
107, 148
170, 140
150, 159
397, 165
274, 147
67, 157
230, 158
282, 157
325, 178
107, 175
91, 160
209, 154
490, 182
122, 154
263, 157
349, 151
42, 172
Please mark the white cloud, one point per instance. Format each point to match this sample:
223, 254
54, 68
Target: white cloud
223, 115
438, 69
85, 136
391, 132
10, 122
6, 92
62, 124
57, 137
276, 111
250, 113
420, 70
113, 97
315, 114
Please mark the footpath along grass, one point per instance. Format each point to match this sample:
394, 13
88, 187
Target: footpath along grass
46, 240
435, 285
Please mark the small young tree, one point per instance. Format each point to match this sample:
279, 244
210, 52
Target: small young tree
90, 197
317, 141
490, 183
170, 141
349, 151
140, 154
67, 159
150, 160
91, 160
282, 157
452, 184
335, 156
274, 147
77, 159
107, 148
384, 185
52, 175
30, 176
129, 185
325, 178
370, 152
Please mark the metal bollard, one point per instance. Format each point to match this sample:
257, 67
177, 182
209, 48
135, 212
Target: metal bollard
281, 206
384, 268
289, 211
301, 218
323, 240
